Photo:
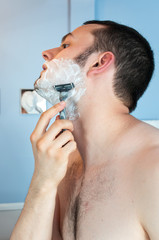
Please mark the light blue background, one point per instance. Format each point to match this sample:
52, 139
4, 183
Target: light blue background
29, 27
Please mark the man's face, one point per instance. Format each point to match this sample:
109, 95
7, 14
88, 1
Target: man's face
73, 44
63, 66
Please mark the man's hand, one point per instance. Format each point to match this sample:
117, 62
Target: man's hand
51, 150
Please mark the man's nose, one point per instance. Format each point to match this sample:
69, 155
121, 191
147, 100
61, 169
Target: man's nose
48, 54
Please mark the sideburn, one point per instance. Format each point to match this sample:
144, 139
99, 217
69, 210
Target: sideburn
81, 59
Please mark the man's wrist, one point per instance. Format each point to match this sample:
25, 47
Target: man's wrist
41, 186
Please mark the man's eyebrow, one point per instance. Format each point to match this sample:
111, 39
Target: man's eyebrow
64, 37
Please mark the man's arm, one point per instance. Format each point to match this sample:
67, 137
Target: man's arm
51, 149
148, 194
36, 219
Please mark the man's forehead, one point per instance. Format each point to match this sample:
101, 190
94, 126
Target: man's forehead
64, 37
84, 29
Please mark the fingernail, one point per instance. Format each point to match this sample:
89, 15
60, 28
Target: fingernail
62, 103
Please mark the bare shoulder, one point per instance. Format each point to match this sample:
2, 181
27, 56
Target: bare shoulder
146, 164
146, 182
148, 161
147, 137
149, 129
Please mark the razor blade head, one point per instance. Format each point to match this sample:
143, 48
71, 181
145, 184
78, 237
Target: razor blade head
64, 87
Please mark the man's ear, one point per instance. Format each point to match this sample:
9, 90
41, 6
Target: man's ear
103, 62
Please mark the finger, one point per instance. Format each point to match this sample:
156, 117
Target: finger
70, 147
55, 129
63, 139
45, 118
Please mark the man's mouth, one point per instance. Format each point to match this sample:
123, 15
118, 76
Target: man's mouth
44, 67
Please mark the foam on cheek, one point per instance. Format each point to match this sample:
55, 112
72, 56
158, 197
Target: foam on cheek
61, 71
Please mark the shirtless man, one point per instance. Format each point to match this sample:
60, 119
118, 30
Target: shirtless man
103, 184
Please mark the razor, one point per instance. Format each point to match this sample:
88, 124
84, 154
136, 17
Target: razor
63, 90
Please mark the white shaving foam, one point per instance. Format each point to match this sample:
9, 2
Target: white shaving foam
62, 71
33, 103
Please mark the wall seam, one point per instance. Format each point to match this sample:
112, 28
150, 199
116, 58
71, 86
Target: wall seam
69, 15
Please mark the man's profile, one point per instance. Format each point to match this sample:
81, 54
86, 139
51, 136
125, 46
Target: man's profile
99, 179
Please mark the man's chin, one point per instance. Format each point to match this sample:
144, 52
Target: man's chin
38, 80
35, 84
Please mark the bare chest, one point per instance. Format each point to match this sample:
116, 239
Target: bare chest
101, 207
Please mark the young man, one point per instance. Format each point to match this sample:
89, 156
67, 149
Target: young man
107, 186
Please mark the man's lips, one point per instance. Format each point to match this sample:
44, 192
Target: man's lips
44, 69
44, 66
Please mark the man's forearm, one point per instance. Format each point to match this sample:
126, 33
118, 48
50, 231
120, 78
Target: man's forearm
36, 219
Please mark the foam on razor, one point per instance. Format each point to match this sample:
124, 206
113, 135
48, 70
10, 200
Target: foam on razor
62, 71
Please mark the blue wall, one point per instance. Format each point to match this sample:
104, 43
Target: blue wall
143, 16
81, 11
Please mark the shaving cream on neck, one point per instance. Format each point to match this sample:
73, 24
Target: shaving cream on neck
61, 71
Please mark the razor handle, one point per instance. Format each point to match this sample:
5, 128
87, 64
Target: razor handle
63, 116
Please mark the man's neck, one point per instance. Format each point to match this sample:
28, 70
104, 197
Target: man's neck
96, 134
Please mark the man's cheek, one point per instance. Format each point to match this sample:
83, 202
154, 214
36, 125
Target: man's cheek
68, 53
62, 71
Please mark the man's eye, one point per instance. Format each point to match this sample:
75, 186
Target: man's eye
65, 45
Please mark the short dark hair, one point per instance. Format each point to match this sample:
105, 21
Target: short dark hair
134, 59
